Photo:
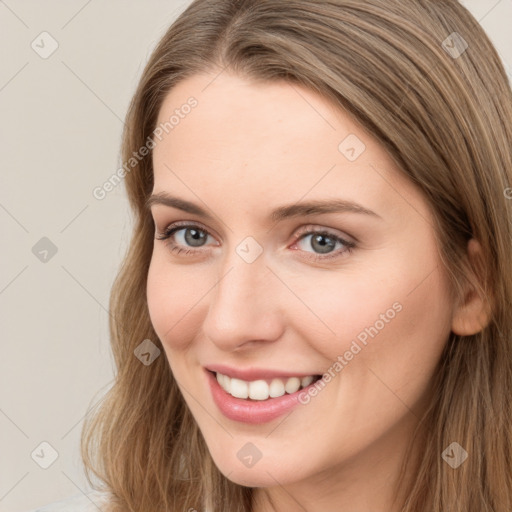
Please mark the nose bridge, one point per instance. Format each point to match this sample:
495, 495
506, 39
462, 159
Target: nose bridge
243, 305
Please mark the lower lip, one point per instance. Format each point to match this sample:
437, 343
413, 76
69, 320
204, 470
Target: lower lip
251, 411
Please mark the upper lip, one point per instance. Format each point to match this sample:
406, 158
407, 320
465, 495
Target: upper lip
252, 374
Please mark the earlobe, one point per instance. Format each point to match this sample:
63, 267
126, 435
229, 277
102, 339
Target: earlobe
473, 314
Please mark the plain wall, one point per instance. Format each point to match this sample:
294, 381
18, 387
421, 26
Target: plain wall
61, 124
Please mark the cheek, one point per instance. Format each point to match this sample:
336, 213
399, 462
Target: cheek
176, 299
395, 317
413, 344
399, 331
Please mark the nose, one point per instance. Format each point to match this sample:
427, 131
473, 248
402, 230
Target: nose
244, 308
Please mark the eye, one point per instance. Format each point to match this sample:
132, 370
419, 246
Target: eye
194, 237
324, 242
192, 234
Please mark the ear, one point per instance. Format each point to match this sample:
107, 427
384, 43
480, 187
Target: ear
473, 313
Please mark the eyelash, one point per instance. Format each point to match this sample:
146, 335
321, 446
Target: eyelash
173, 228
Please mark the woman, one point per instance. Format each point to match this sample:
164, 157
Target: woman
314, 310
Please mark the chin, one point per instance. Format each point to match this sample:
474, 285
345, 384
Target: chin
250, 477
266, 472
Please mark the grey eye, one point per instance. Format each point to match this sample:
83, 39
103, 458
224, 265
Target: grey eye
193, 237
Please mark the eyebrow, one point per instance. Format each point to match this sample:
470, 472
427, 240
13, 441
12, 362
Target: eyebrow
302, 209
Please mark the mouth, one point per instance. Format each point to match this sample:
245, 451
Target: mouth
261, 397
263, 389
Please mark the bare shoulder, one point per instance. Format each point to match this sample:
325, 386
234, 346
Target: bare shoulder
90, 502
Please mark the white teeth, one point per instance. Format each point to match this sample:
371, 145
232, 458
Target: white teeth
292, 385
239, 388
306, 381
276, 388
260, 389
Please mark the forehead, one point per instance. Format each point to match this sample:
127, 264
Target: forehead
233, 115
245, 141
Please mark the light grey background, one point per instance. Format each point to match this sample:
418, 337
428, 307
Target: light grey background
61, 123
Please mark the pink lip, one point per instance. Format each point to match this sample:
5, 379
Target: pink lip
251, 374
251, 411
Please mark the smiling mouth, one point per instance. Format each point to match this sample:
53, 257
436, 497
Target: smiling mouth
263, 389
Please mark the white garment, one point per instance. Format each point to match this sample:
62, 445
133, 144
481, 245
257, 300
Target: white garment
90, 502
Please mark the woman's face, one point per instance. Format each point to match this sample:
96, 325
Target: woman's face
262, 288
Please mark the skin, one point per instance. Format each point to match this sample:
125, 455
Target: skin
244, 150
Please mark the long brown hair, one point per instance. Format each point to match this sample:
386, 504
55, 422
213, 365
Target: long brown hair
424, 79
